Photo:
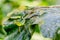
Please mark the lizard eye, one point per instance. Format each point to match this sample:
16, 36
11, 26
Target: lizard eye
14, 18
